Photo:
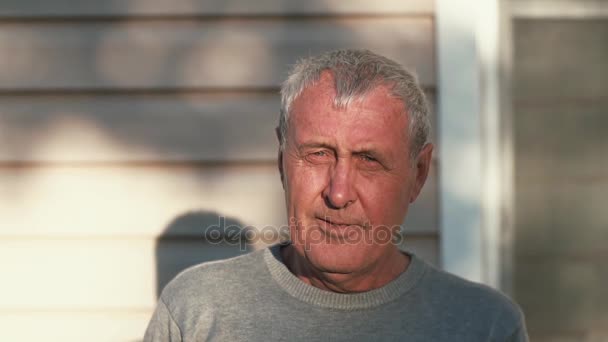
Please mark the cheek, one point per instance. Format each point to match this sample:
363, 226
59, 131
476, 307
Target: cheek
304, 183
384, 201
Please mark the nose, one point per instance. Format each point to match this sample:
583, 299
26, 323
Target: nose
339, 192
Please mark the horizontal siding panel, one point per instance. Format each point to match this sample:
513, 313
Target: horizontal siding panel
118, 128
135, 201
559, 9
62, 8
561, 296
110, 275
577, 69
141, 127
146, 201
94, 275
553, 335
195, 53
562, 220
74, 326
572, 147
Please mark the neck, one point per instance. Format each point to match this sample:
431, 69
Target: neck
377, 275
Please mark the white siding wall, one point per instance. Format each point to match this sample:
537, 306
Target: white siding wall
127, 127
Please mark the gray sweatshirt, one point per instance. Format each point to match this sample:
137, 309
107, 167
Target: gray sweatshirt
256, 298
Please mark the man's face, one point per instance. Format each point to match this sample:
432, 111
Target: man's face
347, 176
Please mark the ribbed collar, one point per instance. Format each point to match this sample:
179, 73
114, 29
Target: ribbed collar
362, 300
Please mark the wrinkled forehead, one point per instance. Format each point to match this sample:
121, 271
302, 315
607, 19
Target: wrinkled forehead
344, 89
339, 96
375, 115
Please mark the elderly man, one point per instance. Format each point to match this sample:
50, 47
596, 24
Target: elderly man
354, 153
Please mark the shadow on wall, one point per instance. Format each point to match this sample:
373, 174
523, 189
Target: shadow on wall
195, 237
145, 90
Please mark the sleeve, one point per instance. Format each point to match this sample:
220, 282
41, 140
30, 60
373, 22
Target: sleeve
162, 327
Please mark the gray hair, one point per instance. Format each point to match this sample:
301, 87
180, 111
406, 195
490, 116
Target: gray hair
356, 73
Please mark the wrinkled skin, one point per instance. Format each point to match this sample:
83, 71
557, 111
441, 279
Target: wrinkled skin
347, 174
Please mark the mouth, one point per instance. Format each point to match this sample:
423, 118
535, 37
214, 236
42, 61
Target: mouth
336, 223
335, 228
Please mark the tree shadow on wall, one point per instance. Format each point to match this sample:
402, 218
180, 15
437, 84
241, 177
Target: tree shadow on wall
195, 237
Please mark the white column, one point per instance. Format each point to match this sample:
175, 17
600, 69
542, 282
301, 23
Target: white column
471, 150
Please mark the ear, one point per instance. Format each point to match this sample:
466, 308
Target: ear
421, 170
280, 155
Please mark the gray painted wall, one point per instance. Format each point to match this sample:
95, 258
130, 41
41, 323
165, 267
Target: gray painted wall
561, 167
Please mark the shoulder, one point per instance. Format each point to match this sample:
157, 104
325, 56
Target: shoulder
214, 280
455, 286
192, 302
477, 302
479, 297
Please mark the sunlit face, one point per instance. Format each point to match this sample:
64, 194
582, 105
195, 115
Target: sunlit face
348, 177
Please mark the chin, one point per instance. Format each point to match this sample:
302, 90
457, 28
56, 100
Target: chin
337, 258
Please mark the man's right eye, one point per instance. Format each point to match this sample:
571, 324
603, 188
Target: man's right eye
318, 156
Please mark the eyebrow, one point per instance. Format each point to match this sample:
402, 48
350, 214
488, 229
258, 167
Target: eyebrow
315, 145
366, 151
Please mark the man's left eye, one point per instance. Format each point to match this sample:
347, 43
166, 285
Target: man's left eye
368, 158
370, 163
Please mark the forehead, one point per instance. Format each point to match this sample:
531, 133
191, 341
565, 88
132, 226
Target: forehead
373, 118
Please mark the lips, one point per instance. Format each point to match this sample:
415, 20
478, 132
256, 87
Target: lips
332, 225
336, 223
337, 229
